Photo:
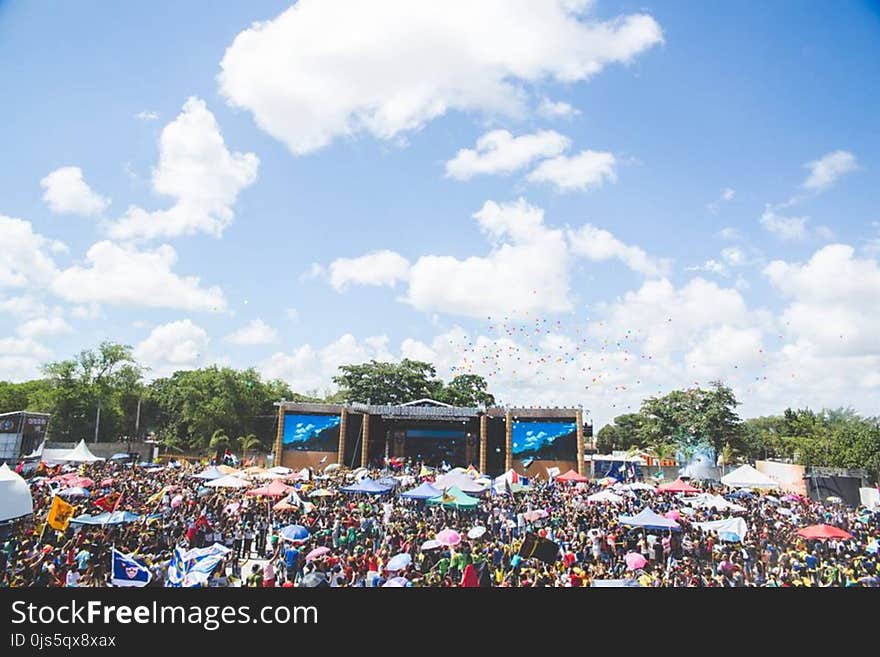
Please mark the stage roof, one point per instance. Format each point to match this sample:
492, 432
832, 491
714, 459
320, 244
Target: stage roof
429, 409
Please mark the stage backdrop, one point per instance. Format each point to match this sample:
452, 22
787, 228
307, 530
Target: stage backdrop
544, 440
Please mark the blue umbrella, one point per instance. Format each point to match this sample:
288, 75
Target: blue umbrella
729, 536
295, 534
399, 561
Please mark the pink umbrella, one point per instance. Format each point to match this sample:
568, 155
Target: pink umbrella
674, 515
448, 537
176, 501
106, 482
534, 515
317, 553
634, 561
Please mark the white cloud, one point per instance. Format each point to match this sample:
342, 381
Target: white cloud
124, 276
43, 326
174, 346
727, 194
549, 109
729, 233
499, 151
23, 307
256, 332
146, 115
712, 266
196, 170
733, 256
828, 169
377, 268
588, 169
68, 193
599, 245
335, 68
785, 228
292, 314
87, 311
26, 259
21, 359
527, 269
834, 297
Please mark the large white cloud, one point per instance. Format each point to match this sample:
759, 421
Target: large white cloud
21, 358
27, 256
68, 193
331, 68
599, 245
255, 332
499, 151
198, 171
377, 268
173, 346
785, 228
576, 173
125, 276
828, 169
44, 326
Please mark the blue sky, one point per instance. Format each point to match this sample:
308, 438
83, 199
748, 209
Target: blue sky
695, 222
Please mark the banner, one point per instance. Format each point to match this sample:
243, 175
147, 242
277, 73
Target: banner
194, 567
789, 476
127, 571
539, 548
59, 514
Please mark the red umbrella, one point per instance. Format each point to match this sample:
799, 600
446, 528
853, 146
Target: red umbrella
823, 532
678, 486
571, 475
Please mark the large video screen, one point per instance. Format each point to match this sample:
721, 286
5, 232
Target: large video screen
312, 433
544, 440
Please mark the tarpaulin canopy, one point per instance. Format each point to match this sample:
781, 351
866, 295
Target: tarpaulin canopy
649, 520
678, 486
735, 526
605, 496
571, 475
275, 489
823, 532
209, 473
228, 481
708, 501
115, 518
80, 454
424, 491
367, 486
15, 495
462, 481
745, 476
454, 498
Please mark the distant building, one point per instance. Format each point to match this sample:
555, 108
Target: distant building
21, 433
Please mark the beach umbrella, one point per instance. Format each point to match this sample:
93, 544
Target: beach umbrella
476, 532
295, 534
823, 532
314, 580
678, 486
431, 545
228, 481
605, 496
535, 515
731, 537
322, 492
448, 537
634, 561
399, 561
396, 583
317, 553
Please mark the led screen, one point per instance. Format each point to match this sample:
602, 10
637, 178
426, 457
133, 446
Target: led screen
319, 433
545, 440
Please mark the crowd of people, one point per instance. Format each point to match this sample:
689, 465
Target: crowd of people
361, 535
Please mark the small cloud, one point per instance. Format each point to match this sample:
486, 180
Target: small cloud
292, 314
556, 109
146, 115
712, 266
729, 233
313, 272
828, 169
726, 196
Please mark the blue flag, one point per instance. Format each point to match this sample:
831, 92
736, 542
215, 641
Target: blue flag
127, 571
194, 567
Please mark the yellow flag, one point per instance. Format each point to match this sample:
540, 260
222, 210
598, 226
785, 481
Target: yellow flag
158, 496
59, 514
447, 498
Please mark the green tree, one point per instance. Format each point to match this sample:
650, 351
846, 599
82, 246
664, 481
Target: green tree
388, 383
467, 390
247, 443
626, 431
219, 442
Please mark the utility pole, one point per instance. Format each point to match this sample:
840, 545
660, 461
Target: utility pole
98, 420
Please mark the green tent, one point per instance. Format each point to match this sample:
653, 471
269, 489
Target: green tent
454, 498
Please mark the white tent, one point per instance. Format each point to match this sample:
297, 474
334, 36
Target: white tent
80, 454
707, 500
15, 495
605, 496
229, 481
736, 526
745, 476
209, 473
870, 497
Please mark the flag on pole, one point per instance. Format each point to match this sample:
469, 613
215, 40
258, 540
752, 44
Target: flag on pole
109, 502
194, 567
553, 472
127, 571
60, 514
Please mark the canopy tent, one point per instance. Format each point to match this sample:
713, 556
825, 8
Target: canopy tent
462, 481
605, 496
823, 532
115, 518
80, 454
870, 498
678, 486
571, 475
15, 495
424, 491
367, 486
736, 526
639, 485
228, 481
708, 501
649, 520
454, 498
745, 476
209, 474
275, 489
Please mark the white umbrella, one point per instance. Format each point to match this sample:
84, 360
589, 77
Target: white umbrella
476, 532
399, 561
229, 481
431, 545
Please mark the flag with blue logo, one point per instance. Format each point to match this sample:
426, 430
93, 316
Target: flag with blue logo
127, 571
194, 567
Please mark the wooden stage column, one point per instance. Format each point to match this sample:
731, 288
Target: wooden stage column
508, 441
278, 451
365, 440
483, 442
579, 418
343, 427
